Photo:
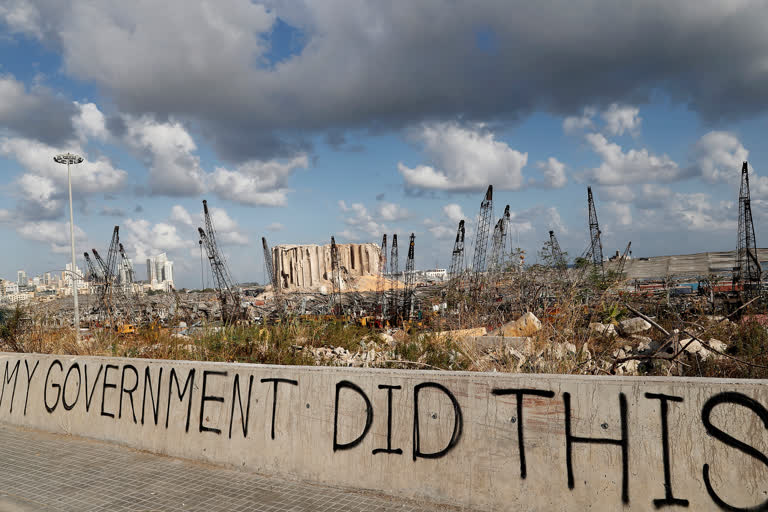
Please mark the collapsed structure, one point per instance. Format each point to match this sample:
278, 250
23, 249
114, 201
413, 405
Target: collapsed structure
309, 267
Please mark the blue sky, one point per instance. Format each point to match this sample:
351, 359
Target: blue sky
300, 121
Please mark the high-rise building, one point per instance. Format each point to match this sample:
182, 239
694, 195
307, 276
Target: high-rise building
168, 272
160, 272
21, 278
66, 277
151, 271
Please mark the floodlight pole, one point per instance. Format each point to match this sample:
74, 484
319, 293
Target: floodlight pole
69, 158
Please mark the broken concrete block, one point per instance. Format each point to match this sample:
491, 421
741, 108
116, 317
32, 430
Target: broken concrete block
607, 330
633, 326
526, 325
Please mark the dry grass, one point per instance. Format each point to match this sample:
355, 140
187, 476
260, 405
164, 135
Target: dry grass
565, 344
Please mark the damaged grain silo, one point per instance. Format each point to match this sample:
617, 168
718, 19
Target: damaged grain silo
308, 267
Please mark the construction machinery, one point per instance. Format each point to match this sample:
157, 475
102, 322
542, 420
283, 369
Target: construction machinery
496, 239
394, 275
596, 245
336, 306
229, 296
380, 283
506, 222
748, 269
623, 261
558, 258
112, 306
274, 279
127, 275
481, 238
457, 256
92, 274
409, 280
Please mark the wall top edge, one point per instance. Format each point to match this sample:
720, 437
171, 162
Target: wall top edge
399, 373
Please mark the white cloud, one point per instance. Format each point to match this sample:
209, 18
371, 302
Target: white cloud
659, 209
453, 212
39, 197
116, 45
227, 229
697, 212
539, 219
146, 240
256, 183
618, 213
463, 159
349, 234
634, 166
445, 227
442, 232
719, 156
392, 212
621, 193
758, 186
14, 97
362, 225
576, 125
622, 118
275, 226
180, 215
56, 234
89, 122
42, 188
21, 16
91, 176
174, 169
653, 196
554, 172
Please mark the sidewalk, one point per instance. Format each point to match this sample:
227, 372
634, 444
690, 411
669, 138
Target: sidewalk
41, 471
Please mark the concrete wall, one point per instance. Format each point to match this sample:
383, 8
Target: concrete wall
572, 443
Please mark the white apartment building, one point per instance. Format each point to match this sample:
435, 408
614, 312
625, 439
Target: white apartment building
66, 278
15, 298
436, 273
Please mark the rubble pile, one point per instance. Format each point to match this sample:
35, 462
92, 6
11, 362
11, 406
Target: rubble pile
629, 341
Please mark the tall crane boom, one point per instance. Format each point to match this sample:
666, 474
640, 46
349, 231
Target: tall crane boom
481, 240
748, 268
270, 267
410, 277
92, 274
380, 283
336, 307
394, 271
496, 241
623, 261
113, 253
596, 245
457, 256
228, 295
506, 221
558, 258
127, 268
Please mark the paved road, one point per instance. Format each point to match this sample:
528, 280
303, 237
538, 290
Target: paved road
40, 471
